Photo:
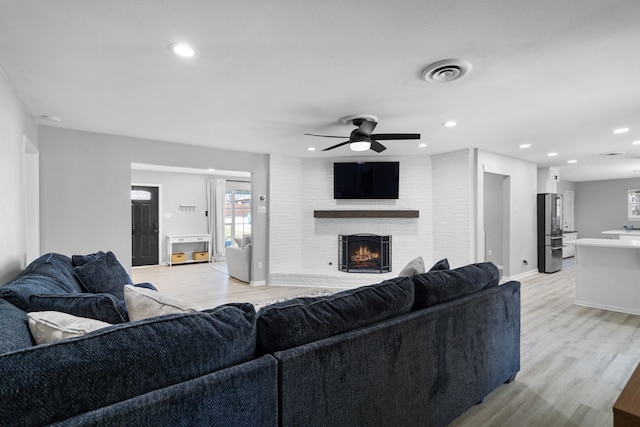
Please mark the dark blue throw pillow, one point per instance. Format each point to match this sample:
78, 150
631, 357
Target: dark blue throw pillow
443, 264
79, 260
436, 287
104, 307
298, 321
104, 274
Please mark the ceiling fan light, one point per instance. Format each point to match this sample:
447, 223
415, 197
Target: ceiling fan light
360, 145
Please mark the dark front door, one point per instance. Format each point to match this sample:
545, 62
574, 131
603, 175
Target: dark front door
144, 225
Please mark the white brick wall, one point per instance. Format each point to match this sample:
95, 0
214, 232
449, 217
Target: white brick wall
285, 213
306, 244
453, 205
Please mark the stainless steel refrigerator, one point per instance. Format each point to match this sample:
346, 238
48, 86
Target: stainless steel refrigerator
549, 233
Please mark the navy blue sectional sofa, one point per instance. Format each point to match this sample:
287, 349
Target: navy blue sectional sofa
411, 351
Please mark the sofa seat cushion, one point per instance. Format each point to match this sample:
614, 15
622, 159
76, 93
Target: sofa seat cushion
103, 307
14, 329
299, 321
104, 274
438, 286
52, 382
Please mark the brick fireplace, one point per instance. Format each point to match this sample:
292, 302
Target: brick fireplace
364, 253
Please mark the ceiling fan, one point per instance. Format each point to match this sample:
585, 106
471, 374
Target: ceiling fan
361, 139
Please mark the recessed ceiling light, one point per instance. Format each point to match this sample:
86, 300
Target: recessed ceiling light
552, 154
311, 149
620, 130
572, 161
449, 124
422, 145
182, 49
636, 142
525, 145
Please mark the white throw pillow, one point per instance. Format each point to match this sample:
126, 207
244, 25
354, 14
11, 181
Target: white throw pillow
143, 303
50, 326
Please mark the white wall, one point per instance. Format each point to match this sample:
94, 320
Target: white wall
522, 212
301, 242
16, 124
454, 207
86, 182
602, 205
285, 220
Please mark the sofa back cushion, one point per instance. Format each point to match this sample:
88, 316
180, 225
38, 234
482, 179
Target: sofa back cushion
14, 328
299, 321
438, 286
52, 382
49, 274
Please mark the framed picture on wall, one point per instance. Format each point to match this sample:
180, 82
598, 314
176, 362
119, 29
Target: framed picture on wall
633, 213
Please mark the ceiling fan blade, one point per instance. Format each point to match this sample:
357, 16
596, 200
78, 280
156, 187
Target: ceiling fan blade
336, 146
377, 147
387, 136
366, 127
325, 136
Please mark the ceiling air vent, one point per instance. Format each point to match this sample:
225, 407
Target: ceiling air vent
446, 71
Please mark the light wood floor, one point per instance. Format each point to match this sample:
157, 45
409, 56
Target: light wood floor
574, 360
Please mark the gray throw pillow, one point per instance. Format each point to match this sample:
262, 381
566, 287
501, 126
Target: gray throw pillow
415, 266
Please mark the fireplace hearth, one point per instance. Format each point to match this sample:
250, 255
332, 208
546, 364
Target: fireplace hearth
364, 253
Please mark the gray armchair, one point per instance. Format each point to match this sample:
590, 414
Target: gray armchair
239, 259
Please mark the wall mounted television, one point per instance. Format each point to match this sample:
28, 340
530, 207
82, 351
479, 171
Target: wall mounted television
366, 180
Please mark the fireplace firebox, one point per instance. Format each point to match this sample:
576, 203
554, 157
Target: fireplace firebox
364, 253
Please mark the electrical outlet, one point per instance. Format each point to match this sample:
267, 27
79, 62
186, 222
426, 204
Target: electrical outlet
489, 252
259, 265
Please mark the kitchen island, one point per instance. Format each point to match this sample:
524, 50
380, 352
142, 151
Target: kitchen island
624, 234
608, 274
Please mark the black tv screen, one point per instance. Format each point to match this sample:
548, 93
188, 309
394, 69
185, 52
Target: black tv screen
366, 180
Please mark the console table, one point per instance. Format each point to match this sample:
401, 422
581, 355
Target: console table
188, 238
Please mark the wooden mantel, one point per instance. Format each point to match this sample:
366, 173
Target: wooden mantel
367, 214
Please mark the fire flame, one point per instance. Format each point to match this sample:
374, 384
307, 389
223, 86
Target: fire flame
364, 254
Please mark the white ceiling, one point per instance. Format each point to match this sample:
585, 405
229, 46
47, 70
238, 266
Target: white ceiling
558, 74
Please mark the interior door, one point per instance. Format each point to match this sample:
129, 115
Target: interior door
144, 225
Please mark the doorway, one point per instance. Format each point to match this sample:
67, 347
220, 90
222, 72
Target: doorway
145, 228
237, 211
496, 220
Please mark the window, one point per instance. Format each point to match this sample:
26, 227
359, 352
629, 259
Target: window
634, 205
237, 214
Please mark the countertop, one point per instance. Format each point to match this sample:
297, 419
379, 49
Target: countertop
606, 243
621, 232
